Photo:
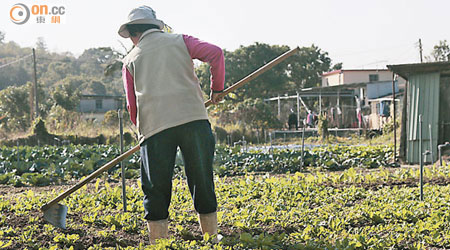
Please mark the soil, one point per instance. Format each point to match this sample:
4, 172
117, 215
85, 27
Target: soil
89, 234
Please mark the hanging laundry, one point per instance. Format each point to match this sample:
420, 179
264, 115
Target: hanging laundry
385, 109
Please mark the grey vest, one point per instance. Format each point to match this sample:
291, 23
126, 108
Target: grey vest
167, 90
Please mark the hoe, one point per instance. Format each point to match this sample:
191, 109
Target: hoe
56, 213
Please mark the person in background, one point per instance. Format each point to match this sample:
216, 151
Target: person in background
166, 104
310, 119
292, 120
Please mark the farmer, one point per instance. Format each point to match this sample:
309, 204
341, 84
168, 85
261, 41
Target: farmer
166, 104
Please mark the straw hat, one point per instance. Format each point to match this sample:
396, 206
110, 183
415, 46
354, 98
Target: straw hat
140, 15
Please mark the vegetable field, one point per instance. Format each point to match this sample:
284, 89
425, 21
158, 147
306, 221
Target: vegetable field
260, 207
34, 166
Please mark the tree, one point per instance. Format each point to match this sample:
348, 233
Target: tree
94, 61
13, 75
299, 71
2, 37
67, 94
244, 61
441, 52
257, 114
56, 71
14, 103
41, 44
337, 66
111, 118
94, 87
307, 66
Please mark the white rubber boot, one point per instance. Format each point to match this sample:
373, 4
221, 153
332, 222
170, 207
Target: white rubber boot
158, 230
208, 224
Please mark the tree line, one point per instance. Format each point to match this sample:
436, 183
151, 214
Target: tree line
63, 78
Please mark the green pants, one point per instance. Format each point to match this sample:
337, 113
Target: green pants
158, 154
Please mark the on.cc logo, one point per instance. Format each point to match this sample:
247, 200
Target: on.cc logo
19, 13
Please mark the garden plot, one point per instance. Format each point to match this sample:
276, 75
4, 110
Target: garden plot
349, 209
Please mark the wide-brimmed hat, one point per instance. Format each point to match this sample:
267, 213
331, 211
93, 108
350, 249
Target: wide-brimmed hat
140, 15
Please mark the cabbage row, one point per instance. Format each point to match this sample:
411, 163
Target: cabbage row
42, 166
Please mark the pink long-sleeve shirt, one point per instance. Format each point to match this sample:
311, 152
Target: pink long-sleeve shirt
197, 49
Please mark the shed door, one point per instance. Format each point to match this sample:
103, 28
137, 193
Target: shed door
423, 98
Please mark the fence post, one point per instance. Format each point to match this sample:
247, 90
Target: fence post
421, 157
124, 193
18, 153
303, 145
431, 144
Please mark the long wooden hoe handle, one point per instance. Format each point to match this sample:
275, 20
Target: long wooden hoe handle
256, 73
125, 155
83, 182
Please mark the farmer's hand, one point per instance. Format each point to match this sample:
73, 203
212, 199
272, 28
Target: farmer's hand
215, 98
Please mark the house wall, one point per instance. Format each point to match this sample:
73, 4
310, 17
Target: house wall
444, 107
379, 89
332, 80
358, 76
354, 76
89, 105
109, 104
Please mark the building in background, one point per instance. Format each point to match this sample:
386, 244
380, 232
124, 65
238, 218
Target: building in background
427, 93
373, 90
348, 76
95, 106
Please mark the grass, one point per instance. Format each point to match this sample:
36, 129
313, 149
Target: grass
352, 139
82, 129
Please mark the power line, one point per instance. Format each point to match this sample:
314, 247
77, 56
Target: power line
18, 60
373, 50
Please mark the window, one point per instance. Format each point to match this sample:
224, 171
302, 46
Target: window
98, 104
373, 78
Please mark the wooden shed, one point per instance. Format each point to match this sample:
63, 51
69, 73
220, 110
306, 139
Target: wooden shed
427, 93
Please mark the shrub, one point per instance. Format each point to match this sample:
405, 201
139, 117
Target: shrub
221, 134
127, 138
323, 127
38, 127
60, 119
111, 118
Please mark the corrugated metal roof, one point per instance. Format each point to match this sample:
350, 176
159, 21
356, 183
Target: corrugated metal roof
338, 71
102, 97
405, 70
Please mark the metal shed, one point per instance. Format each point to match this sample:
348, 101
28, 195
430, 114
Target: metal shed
427, 93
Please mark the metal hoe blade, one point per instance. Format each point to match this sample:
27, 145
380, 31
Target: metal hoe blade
56, 215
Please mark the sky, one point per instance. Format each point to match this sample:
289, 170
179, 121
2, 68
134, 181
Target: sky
359, 33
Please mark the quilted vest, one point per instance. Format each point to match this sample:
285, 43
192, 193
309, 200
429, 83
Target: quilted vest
167, 90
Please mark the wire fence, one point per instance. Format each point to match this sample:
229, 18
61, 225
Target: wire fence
16, 61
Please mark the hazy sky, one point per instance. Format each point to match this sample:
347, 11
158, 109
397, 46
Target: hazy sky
359, 33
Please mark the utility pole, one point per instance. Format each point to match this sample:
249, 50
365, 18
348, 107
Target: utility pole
279, 107
420, 50
298, 110
35, 86
394, 117
30, 102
